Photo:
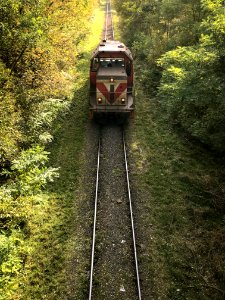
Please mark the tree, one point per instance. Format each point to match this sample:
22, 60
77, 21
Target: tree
192, 87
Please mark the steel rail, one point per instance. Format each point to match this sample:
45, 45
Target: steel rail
107, 17
132, 219
112, 28
106, 20
95, 219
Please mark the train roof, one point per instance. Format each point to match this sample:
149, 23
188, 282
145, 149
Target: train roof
112, 46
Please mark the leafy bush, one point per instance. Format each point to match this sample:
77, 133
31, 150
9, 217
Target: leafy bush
38, 56
30, 171
9, 117
151, 28
29, 175
12, 253
192, 87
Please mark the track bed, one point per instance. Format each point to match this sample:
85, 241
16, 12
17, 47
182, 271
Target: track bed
114, 267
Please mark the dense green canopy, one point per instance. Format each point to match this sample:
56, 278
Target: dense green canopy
37, 67
39, 49
183, 44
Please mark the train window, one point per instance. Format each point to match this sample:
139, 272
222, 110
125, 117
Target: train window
118, 62
95, 64
105, 62
112, 62
128, 68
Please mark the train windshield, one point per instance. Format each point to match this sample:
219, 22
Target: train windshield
108, 63
111, 62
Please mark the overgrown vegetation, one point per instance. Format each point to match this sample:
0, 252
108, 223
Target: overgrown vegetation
192, 87
42, 62
39, 51
179, 210
182, 42
179, 85
153, 27
178, 48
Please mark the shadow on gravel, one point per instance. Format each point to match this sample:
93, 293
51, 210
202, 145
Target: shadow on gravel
111, 119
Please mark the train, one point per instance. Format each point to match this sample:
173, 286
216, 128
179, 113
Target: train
111, 80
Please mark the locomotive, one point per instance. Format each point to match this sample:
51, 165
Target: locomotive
111, 79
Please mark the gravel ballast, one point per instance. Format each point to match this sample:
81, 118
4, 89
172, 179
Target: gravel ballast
114, 273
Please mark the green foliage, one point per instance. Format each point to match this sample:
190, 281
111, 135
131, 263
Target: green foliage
31, 175
42, 117
192, 87
179, 52
22, 25
182, 207
214, 25
40, 46
187, 38
151, 28
30, 171
9, 118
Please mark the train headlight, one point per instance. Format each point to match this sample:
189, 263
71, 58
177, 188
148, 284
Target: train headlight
123, 100
111, 79
99, 100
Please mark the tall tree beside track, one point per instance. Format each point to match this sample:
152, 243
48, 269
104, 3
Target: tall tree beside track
38, 55
192, 87
153, 27
188, 40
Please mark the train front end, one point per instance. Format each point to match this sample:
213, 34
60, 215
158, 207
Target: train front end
111, 80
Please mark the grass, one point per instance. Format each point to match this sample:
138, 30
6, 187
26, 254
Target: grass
55, 266
180, 220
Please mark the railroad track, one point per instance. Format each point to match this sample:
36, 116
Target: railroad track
114, 264
108, 33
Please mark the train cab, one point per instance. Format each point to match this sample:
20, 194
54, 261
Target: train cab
111, 79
